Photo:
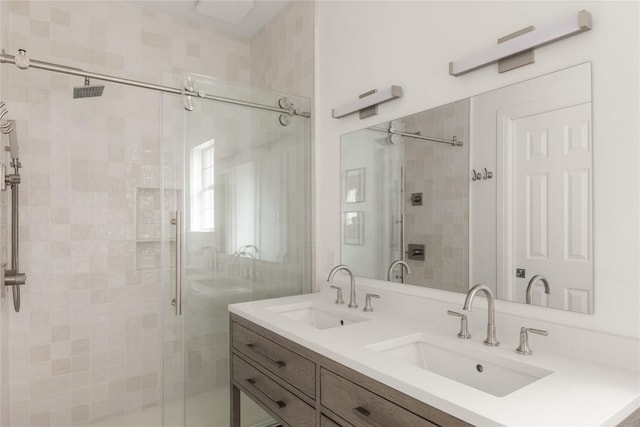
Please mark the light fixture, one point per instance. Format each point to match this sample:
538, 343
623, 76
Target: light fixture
373, 99
527, 41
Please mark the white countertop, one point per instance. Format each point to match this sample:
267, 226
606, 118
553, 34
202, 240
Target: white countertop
579, 392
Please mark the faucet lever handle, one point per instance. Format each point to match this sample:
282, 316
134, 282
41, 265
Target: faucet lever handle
367, 302
523, 347
339, 299
537, 331
464, 326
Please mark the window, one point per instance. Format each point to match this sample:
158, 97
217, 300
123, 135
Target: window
202, 187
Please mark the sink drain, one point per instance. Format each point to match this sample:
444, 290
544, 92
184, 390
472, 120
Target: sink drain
479, 368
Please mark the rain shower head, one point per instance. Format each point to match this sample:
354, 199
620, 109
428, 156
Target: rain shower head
87, 91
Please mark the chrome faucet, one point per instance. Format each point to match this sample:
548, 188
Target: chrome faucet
491, 310
535, 279
393, 265
352, 283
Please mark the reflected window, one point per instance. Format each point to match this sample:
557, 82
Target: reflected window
202, 187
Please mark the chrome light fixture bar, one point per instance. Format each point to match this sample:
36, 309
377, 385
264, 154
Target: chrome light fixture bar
375, 98
531, 40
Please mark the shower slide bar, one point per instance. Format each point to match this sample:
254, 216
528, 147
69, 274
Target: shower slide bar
453, 141
23, 62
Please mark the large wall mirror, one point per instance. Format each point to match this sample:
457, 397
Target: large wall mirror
493, 189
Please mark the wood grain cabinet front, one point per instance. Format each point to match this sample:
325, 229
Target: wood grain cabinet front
328, 422
278, 400
361, 407
286, 364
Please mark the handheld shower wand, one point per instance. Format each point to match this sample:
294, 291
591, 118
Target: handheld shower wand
13, 277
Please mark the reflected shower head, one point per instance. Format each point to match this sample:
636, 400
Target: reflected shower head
87, 91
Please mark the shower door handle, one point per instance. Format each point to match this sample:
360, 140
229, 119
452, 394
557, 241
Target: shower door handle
177, 301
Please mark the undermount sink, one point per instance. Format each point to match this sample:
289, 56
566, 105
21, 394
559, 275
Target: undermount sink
317, 317
492, 374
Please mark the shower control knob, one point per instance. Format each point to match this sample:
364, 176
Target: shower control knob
13, 278
12, 179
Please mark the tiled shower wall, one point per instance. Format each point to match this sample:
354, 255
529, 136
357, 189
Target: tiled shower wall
86, 343
283, 60
282, 53
4, 302
441, 173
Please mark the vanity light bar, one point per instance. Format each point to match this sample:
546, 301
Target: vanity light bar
531, 40
375, 98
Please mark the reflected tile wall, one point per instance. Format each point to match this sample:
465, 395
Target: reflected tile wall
441, 173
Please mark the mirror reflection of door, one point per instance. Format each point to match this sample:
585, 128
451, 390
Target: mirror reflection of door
552, 205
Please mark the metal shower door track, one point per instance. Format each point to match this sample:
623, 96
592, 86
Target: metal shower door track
25, 63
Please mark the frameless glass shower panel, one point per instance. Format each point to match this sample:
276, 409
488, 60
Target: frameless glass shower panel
245, 196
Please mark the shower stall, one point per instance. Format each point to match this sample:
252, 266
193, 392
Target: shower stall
150, 228
235, 204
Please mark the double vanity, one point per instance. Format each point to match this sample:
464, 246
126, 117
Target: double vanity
309, 361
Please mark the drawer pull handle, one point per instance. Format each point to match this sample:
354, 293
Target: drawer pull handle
279, 403
364, 414
275, 363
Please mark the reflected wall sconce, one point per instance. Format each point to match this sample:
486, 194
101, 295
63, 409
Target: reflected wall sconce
524, 41
368, 103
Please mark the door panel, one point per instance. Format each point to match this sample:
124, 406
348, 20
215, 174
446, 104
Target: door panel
552, 198
241, 181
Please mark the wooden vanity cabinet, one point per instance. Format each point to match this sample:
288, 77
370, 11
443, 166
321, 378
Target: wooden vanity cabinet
302, 388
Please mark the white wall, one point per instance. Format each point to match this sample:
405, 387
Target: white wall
366, 45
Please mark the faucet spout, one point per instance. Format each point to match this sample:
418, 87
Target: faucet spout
534, 280
352, 283
491, 311
393, 265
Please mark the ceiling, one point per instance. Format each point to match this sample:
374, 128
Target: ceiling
240, 17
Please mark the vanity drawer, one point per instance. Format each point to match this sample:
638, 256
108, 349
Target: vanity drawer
328, 422
361, 407
286, 364
284, 404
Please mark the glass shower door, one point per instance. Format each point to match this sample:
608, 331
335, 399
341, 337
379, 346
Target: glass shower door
244, 189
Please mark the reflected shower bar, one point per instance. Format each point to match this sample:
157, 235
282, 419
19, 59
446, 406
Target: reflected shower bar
22, 62
453, 141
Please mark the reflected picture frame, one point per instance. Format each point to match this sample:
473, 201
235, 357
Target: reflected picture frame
353, 228
354, 186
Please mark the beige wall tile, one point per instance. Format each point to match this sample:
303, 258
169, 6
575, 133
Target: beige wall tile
92, 319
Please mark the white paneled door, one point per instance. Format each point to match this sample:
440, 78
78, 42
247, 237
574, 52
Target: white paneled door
552, 233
